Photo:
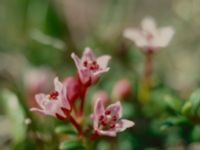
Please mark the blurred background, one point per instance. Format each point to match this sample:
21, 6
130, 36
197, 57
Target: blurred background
38, 36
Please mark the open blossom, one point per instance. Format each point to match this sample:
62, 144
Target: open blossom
108, 121
55, 103
36, 80
149, 37
89, 67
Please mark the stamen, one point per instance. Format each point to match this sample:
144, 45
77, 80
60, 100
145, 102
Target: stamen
101, 118
53, 95
108, 112
103, 123
94, 62
92, 67
112, 126
114, 118
85, 63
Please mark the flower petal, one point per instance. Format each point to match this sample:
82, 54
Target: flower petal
40, 99
37, 110
77, 61
136, 36
165, 35
103, 61
99, 72
98, 107
88, 54
111, 133
98, 110
124, 124
115, 109
58, 85
148, 24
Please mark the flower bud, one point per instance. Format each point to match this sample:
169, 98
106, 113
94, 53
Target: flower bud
73, 88
121, 89
100, 95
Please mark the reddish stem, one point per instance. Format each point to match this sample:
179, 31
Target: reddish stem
82, 97
94, 136
148, 69
75, 124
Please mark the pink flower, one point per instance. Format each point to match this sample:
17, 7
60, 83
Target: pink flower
37, 81
108, 121
89, 67
122, 89
55, 103
149, 37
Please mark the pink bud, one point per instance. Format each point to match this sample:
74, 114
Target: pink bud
73, 88
122, 89
100, 95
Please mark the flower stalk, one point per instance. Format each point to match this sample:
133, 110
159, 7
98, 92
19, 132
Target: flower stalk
148, 69
75, 124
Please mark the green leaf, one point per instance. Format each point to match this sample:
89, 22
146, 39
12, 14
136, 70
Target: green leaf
195, 100
65, 129
195, 133
174, 104
103, 145
173, 121
15, 113
186, 109
71, 145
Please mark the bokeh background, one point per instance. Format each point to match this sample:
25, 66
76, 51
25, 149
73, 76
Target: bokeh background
38, 36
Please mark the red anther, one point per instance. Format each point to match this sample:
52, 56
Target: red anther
92, 67
94, 62
108, 112
114, 118
112, 126
85, 63
101, 118
103, 123
53, 95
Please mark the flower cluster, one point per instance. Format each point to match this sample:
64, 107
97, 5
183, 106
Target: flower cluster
61, 102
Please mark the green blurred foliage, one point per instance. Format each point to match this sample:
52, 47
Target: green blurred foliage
35, 33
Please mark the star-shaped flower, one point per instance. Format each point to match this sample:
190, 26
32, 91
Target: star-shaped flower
108, 121
89, 67
149, 37
55, 103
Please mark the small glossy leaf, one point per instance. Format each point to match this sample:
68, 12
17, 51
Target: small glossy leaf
71, 145
195, 100
186, 109
65, 129
15, 113
173, 103
173, 121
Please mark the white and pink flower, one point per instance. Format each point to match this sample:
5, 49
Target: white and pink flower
89, 67
149, 37
108, 121
56, 103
